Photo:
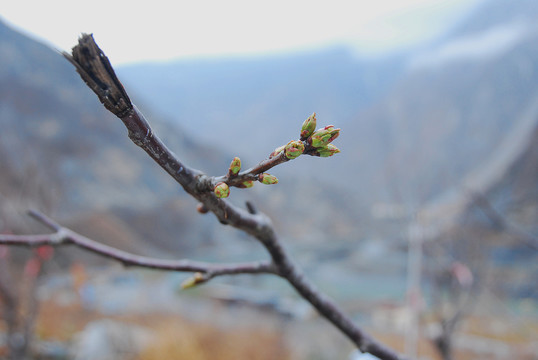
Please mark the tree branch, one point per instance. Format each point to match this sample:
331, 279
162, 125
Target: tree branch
65, 236
96, 71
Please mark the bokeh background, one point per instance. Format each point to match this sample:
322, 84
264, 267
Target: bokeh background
424, 228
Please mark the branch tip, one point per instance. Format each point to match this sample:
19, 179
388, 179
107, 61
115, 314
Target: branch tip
45, 220
95, 69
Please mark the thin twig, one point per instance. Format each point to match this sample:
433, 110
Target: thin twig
252, 173
65, 236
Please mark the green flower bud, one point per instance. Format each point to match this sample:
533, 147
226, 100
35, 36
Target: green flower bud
324, 136
235, 166
277, 151
221, 190
267, 179
328, 150
194, 280
308, 127
294, 148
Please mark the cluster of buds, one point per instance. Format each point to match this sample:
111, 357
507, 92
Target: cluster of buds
312, 142
320, 139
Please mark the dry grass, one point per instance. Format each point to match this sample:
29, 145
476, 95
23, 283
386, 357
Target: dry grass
175, 337
198, 342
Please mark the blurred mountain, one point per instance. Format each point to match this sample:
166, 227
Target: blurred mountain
457, 101
62, 152
255, 103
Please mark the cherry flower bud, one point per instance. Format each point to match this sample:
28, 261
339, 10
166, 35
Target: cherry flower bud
328, 150
277, 151
294, 149
221, 190
308, 127
324, 136
267, 179
235, 166
247, 184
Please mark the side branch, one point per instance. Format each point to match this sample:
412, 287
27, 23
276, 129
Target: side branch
252, 173
65, 236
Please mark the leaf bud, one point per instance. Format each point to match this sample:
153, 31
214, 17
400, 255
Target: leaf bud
328, 150
235, 166
324, 136
294, 149
197, 278
277, 151
267, 179
221, 190
247, 184
309, 125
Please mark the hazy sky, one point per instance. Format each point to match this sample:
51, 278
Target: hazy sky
149, 30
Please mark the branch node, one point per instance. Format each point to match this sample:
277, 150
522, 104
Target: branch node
59, 237
251, 208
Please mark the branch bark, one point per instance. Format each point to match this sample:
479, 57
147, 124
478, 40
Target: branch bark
95, 69
65, 236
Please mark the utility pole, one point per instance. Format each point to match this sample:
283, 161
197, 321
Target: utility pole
414, 294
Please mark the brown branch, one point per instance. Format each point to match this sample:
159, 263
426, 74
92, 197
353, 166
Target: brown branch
65, 236
95, 70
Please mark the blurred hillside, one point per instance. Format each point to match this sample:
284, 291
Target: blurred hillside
64, 154
266, 97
